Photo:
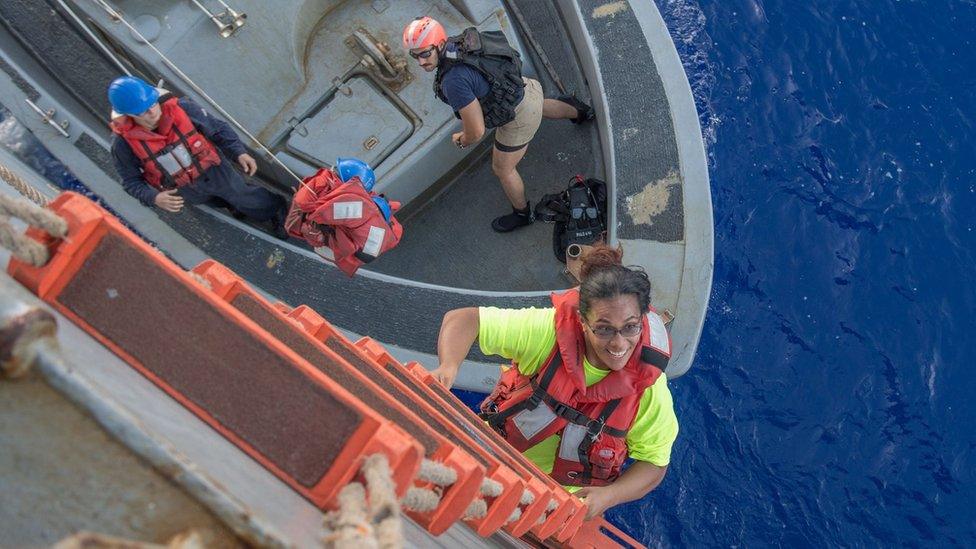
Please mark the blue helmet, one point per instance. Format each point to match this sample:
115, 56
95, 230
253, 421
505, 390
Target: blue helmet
384, 207
347, 168
131, 95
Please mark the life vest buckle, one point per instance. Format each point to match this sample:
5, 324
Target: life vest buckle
594, 428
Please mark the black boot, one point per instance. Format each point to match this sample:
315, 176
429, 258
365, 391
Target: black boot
584, 111
514, 220
277, 223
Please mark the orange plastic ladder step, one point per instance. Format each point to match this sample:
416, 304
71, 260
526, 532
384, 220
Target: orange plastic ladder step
569, 511
436, 434
501, 508
306, 429
541, 492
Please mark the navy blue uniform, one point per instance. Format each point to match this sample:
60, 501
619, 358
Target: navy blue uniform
462, 84
221, 181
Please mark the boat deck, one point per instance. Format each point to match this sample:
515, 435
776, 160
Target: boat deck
652, 157
449, 241
645, 142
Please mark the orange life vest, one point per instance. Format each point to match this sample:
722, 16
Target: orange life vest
592, 421
341, 221
175, 153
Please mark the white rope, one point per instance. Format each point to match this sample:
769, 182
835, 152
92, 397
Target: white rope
203, 281
436, 473
22, 186
25, 249
420, 500
33, 214
516, 514
361, 523
350, 525
384, 509
553, 504
478, 509
490, 488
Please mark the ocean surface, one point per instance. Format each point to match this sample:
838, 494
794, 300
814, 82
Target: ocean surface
831, 400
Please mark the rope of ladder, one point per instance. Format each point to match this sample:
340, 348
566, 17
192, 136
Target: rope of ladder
369, 516
22, 186
22, 247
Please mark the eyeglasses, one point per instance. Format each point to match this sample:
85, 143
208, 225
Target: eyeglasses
607, 332
423, 54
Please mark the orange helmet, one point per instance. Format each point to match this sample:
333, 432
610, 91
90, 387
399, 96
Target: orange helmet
423, 32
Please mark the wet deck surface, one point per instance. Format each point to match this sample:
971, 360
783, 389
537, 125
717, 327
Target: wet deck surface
449, 240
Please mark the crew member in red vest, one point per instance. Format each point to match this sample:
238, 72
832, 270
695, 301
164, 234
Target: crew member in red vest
586, 388
169, 151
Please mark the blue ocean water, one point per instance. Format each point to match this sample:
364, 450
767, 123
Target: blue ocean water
831, 399
830, 402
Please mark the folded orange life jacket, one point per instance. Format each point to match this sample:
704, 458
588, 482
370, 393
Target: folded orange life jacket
341, 221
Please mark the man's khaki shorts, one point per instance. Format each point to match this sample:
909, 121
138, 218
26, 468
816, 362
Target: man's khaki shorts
528, 115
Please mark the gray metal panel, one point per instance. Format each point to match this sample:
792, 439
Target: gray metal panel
680, 270
696, 274
358, 121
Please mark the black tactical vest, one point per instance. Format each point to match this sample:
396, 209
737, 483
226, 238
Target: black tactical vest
488, 53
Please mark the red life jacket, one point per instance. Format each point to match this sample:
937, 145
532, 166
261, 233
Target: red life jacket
172, 155
592, 421
341, 221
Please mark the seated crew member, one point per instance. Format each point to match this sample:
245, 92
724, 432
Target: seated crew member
169, 150
490, 92
586, 380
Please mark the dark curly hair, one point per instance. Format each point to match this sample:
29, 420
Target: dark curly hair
604, 277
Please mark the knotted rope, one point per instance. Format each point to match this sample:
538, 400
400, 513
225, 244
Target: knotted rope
22, 186
23, 248
436, 473
383, 505
372, 523
549, 509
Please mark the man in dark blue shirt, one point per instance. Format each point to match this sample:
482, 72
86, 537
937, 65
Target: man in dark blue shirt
168, 189
516, 112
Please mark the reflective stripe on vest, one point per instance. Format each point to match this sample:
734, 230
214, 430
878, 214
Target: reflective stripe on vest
374, 241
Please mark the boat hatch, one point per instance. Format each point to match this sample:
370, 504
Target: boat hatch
358, 121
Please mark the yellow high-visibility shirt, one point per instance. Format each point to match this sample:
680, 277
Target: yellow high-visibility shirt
527, 336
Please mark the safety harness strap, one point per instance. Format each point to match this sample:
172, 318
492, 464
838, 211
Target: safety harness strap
189, 150
497, 419
587, 442
167, 180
